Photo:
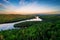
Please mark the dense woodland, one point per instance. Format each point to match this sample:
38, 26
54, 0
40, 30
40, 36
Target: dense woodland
48, 29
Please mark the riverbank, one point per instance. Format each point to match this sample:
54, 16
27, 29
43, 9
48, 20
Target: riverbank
37, 31
10, 18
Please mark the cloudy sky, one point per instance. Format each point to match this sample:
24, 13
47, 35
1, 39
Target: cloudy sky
29, 6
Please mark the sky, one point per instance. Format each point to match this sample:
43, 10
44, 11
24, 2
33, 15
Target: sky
29, 6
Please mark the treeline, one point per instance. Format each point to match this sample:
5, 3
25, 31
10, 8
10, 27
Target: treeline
50, 18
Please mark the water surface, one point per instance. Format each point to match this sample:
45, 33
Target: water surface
11, 25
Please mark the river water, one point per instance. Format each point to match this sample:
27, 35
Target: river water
11, 25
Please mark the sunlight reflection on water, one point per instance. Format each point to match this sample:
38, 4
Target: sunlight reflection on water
11, 25
6, 26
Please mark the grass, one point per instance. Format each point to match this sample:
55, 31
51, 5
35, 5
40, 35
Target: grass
9, 18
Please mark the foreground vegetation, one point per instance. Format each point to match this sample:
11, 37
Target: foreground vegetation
9, 18
48, 29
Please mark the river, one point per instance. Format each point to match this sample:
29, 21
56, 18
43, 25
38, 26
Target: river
11, 25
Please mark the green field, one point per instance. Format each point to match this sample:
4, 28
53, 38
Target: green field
48, 29
9, 18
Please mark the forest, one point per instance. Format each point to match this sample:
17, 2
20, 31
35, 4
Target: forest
48, 29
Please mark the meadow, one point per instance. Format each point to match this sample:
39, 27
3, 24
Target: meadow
48, 29
9, 18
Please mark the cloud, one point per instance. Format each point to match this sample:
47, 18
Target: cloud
27, 8
22, 2
33, 8
8, 3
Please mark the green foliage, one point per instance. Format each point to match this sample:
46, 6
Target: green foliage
9, 18
45, 30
